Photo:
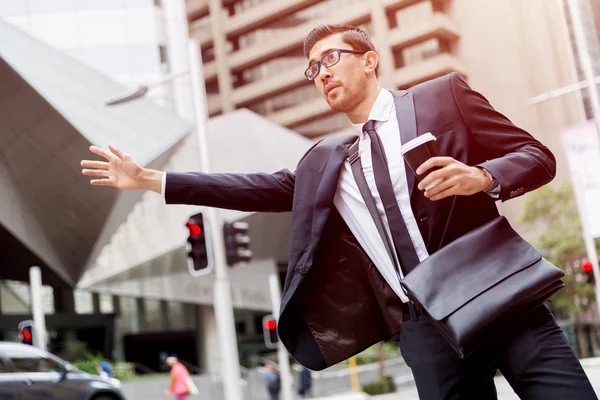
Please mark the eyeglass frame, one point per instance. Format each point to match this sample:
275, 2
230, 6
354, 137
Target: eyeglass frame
320, 62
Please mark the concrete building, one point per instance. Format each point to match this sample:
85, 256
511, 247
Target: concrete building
590, 14
121, 272
508, 50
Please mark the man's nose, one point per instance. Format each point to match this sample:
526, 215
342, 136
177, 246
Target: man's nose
325, 73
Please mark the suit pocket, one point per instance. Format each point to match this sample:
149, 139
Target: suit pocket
442, 129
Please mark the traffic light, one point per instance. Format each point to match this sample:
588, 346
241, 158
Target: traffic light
26, 332
270, 331
197, 251
237, 242
587, 268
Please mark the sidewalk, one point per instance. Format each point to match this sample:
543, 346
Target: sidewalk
505, 392
408, 391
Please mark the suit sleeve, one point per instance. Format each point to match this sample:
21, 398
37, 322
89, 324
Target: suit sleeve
258, 192
519, 162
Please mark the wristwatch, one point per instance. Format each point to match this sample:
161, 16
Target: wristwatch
493, 182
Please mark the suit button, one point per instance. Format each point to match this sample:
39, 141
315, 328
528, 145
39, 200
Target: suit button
302, 271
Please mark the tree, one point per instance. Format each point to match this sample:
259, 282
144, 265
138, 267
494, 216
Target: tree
553, 208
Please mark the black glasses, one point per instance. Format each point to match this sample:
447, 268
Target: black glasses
328, 60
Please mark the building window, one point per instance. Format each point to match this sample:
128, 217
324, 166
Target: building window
83, 302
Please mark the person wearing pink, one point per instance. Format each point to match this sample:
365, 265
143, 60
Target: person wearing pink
179, 373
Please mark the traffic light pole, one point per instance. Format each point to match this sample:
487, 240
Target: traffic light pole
230, 367
39, 323
285, 373
586, 65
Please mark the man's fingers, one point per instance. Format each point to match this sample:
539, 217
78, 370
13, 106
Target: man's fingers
95, 172
115, 151
443, 173
94, 164
101, 182
434, 162
451, 191
101, 152
440, 187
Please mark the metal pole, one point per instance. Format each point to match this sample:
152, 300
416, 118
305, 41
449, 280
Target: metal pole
590, 245
230, 365
287, 385
585, 59
39, 323
353, 374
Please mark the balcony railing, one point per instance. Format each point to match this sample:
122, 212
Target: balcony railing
268, 12
438, 26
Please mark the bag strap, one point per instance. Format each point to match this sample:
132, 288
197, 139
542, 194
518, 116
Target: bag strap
363, 187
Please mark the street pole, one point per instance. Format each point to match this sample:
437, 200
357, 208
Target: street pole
282, 355
230, 366
590, 244
586, 65
39, 323
585, 59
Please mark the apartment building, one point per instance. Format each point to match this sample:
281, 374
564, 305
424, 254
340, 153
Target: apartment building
253, 52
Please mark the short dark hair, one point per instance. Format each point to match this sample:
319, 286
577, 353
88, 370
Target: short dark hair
357, 38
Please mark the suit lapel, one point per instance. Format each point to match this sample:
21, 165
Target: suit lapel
326, 189
407, 121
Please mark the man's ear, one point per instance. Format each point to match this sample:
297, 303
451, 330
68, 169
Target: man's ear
371, 60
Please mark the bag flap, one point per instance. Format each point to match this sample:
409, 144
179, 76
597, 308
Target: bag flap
468, 266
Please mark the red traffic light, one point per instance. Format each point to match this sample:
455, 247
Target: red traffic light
26, 335
194, 229
270, 324
586, 266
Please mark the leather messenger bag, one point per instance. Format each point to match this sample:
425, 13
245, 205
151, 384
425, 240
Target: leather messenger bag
476, 284
471, 286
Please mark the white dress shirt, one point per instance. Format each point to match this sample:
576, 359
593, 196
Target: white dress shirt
351, 205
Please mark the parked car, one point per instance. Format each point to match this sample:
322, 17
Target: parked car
28, 373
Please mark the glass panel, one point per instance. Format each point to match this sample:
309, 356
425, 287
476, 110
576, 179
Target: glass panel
83, 302
15, 298
25, 361
106, 303
3, 368
153, 317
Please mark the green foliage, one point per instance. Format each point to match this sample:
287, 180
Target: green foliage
554, 208
89, 364
371, 355
121, 371
381, 386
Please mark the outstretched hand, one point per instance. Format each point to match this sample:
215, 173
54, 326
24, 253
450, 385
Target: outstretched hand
119, 169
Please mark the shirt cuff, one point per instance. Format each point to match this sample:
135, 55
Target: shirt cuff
495, 192
163, 186
494, 189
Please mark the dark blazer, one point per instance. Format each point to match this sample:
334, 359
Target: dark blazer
335, 303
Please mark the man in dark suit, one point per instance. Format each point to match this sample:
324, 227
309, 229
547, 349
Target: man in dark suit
342, 292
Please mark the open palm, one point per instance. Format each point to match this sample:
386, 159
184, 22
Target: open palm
119, 169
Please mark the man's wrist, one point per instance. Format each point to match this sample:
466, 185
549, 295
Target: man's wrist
492, 184
486, 179
151, 179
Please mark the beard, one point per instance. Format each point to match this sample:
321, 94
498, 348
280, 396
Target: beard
347, 98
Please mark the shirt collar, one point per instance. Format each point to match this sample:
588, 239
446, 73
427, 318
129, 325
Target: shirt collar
381, 110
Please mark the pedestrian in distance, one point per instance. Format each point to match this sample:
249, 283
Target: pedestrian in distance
305, 383
180, 386
104, 370
272, 381
342, 291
